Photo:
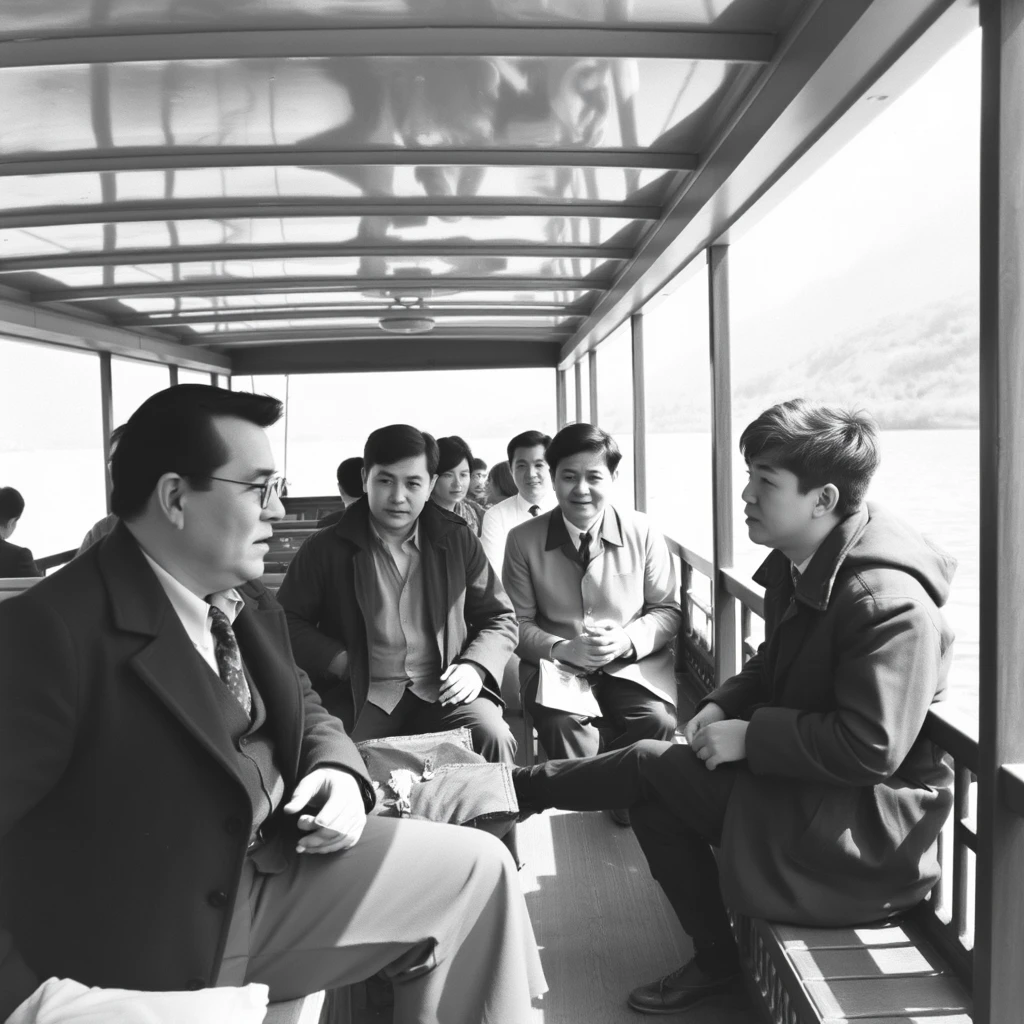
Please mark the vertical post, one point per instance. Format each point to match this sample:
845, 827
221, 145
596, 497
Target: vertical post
578, 373
639, 415
107, 415
592, 381
172, 372
214, 378
724, 626
560, 398
998, 979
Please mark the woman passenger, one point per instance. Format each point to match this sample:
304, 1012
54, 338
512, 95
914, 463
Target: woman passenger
453, 478
500, 483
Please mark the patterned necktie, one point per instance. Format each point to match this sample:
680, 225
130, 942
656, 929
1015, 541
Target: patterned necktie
229, 658
585, 549
534, 509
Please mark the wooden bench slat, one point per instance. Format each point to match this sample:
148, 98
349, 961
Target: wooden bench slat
794, 937
878, 962
868, 998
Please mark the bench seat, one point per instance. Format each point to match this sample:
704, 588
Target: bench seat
877, 974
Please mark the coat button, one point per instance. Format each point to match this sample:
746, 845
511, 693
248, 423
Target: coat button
233, 825
194, 984
217, 898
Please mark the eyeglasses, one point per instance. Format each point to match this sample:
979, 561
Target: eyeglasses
269, 488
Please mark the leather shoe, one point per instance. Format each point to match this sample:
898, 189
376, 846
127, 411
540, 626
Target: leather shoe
620, 815
683, 988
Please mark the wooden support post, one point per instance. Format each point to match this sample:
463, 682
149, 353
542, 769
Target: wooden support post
560, 398
592, 381
639, 415
107, 415
173, 374
214, 378
999, 933
578, 372
724, 636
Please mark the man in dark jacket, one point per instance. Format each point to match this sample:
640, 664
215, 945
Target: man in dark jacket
396, 613
808, 769
174, 801
15, 562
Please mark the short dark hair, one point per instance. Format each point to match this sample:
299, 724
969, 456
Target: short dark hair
477, 465
350, 476
12, 504
583, 437
527, 439
452, 451
173, 431
388, 445
500, 478
820, 444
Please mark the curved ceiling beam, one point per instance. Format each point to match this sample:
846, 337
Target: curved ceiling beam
298, 285
398, 41
337, 250
165, 158
223, 209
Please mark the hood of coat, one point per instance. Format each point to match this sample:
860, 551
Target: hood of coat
871, 538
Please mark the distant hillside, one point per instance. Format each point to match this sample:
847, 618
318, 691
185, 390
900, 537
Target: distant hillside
914, 371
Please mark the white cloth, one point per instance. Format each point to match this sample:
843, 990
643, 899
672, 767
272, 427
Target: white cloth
63, 1001
194, 612
501, 518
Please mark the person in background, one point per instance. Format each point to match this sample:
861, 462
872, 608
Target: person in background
594, 588
532, 494
395, 612
451, 491
809, 769
478, 483
100, 529
15, 562
350, 487
500, 484
177, 809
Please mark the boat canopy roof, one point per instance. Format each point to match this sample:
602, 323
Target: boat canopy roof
288, 186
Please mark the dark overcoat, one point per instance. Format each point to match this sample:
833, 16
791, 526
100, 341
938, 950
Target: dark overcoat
329, 592
123, 821
834, 816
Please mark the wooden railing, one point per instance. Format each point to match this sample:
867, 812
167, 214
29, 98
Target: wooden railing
947, 915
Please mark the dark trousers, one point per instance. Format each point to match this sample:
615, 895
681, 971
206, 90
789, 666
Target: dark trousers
492, 737
633, 712
677, 808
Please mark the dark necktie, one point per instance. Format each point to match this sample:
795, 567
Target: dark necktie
534, 509
585, 549
229, 658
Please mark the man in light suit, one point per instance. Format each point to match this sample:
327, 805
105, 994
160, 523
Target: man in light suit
177, 810
594, 588
534, 494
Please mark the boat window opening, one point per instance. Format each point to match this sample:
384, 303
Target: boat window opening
615, 403
132, 382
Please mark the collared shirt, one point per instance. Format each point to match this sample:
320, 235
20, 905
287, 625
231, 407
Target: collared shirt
500, 518
596, 543
403, 652
194, 612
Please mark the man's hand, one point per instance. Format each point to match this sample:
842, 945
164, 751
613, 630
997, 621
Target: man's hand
342, 816
593, 650
707, 714
461, 683
721, 742
339, 666
611, 639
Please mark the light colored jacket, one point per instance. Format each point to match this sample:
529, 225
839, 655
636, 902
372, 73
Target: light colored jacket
631, 581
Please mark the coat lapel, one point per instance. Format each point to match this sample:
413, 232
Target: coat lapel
558, 537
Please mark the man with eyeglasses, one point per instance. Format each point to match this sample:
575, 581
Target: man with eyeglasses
177, 810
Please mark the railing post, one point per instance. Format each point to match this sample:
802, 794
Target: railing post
639, 415
107, 415
172, 372
592, 381
999, 936
724, 629
213, 381
578, 372
560, 398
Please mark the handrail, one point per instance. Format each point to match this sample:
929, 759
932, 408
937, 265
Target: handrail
52, 561
736, 586
699, 562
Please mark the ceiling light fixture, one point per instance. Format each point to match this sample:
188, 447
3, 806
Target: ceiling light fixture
406, 317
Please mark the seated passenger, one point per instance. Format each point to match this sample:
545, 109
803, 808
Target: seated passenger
500, 484
15, 562
350, 487
594, 588
532, 495
173, 798
102, 527
478, 483
396, 613
808, 769
451, 491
